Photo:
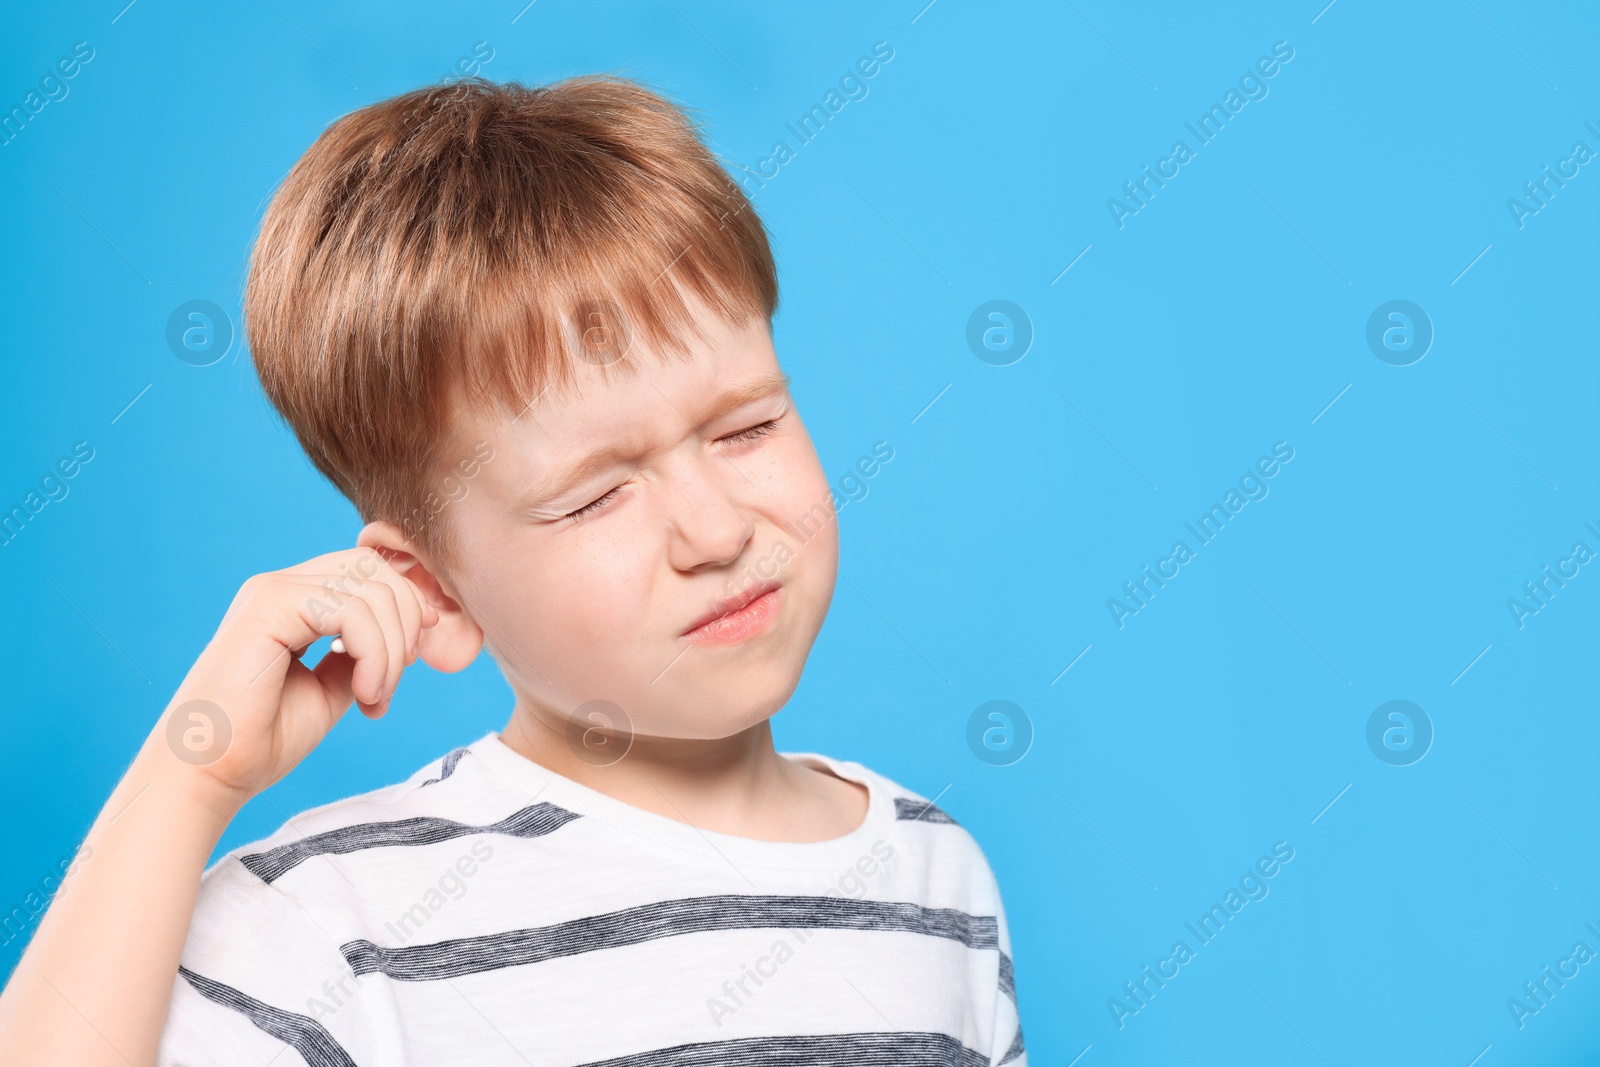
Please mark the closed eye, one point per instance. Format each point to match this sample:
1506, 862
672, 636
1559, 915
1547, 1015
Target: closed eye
751, 433
593, 506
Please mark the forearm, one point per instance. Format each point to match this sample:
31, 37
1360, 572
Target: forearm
94, 985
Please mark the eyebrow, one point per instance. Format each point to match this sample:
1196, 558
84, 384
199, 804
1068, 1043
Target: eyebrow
554, 485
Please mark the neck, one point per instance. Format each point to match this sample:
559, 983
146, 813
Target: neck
715, 784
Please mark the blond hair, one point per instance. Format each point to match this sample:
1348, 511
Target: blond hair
458, 242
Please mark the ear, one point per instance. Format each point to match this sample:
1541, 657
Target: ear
454, 642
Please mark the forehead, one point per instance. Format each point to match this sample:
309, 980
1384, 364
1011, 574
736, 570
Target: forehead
659, 398
600, 393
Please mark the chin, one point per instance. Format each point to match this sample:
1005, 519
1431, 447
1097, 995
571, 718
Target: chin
701, 728
722, 713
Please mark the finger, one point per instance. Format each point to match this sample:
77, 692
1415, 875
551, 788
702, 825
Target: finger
411, 603
346, 572
356, 672
385, 605
427, 614
365, 644
378, 589
355, 564
358, 565
334, 673
430, 614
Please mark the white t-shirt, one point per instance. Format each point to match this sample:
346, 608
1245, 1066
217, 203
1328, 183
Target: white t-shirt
490, 911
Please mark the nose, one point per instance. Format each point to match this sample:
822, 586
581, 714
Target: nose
709, 526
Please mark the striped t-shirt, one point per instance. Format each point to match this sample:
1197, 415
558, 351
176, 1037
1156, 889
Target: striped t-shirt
490, 911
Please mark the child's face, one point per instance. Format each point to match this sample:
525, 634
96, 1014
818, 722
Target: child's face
696, 511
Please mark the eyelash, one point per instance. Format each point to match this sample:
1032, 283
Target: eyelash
751, 433
759, 430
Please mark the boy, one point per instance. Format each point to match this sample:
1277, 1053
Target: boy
527, 333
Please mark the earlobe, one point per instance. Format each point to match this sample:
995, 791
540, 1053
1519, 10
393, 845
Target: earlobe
455, 640
452, 644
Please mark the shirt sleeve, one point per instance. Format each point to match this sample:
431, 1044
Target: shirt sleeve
258, 973
1008, 1048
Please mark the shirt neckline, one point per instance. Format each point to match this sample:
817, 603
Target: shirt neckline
537, 780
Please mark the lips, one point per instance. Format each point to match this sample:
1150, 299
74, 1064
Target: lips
732, 604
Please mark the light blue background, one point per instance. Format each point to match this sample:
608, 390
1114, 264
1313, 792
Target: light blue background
1224, 316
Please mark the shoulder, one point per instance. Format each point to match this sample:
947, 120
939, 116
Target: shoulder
273, 918
907, 805
923, 822
323, 848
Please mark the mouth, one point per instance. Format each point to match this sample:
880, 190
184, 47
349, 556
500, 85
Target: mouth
739, 617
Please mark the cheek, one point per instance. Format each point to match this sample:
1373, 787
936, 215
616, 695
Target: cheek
799, 505
596, 585
796, 478
563, 600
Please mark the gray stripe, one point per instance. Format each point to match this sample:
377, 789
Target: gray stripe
667, 918
914, 810
1016, 1048
1008, 986
824, 1050
447, 766
533, 821
300, 1032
